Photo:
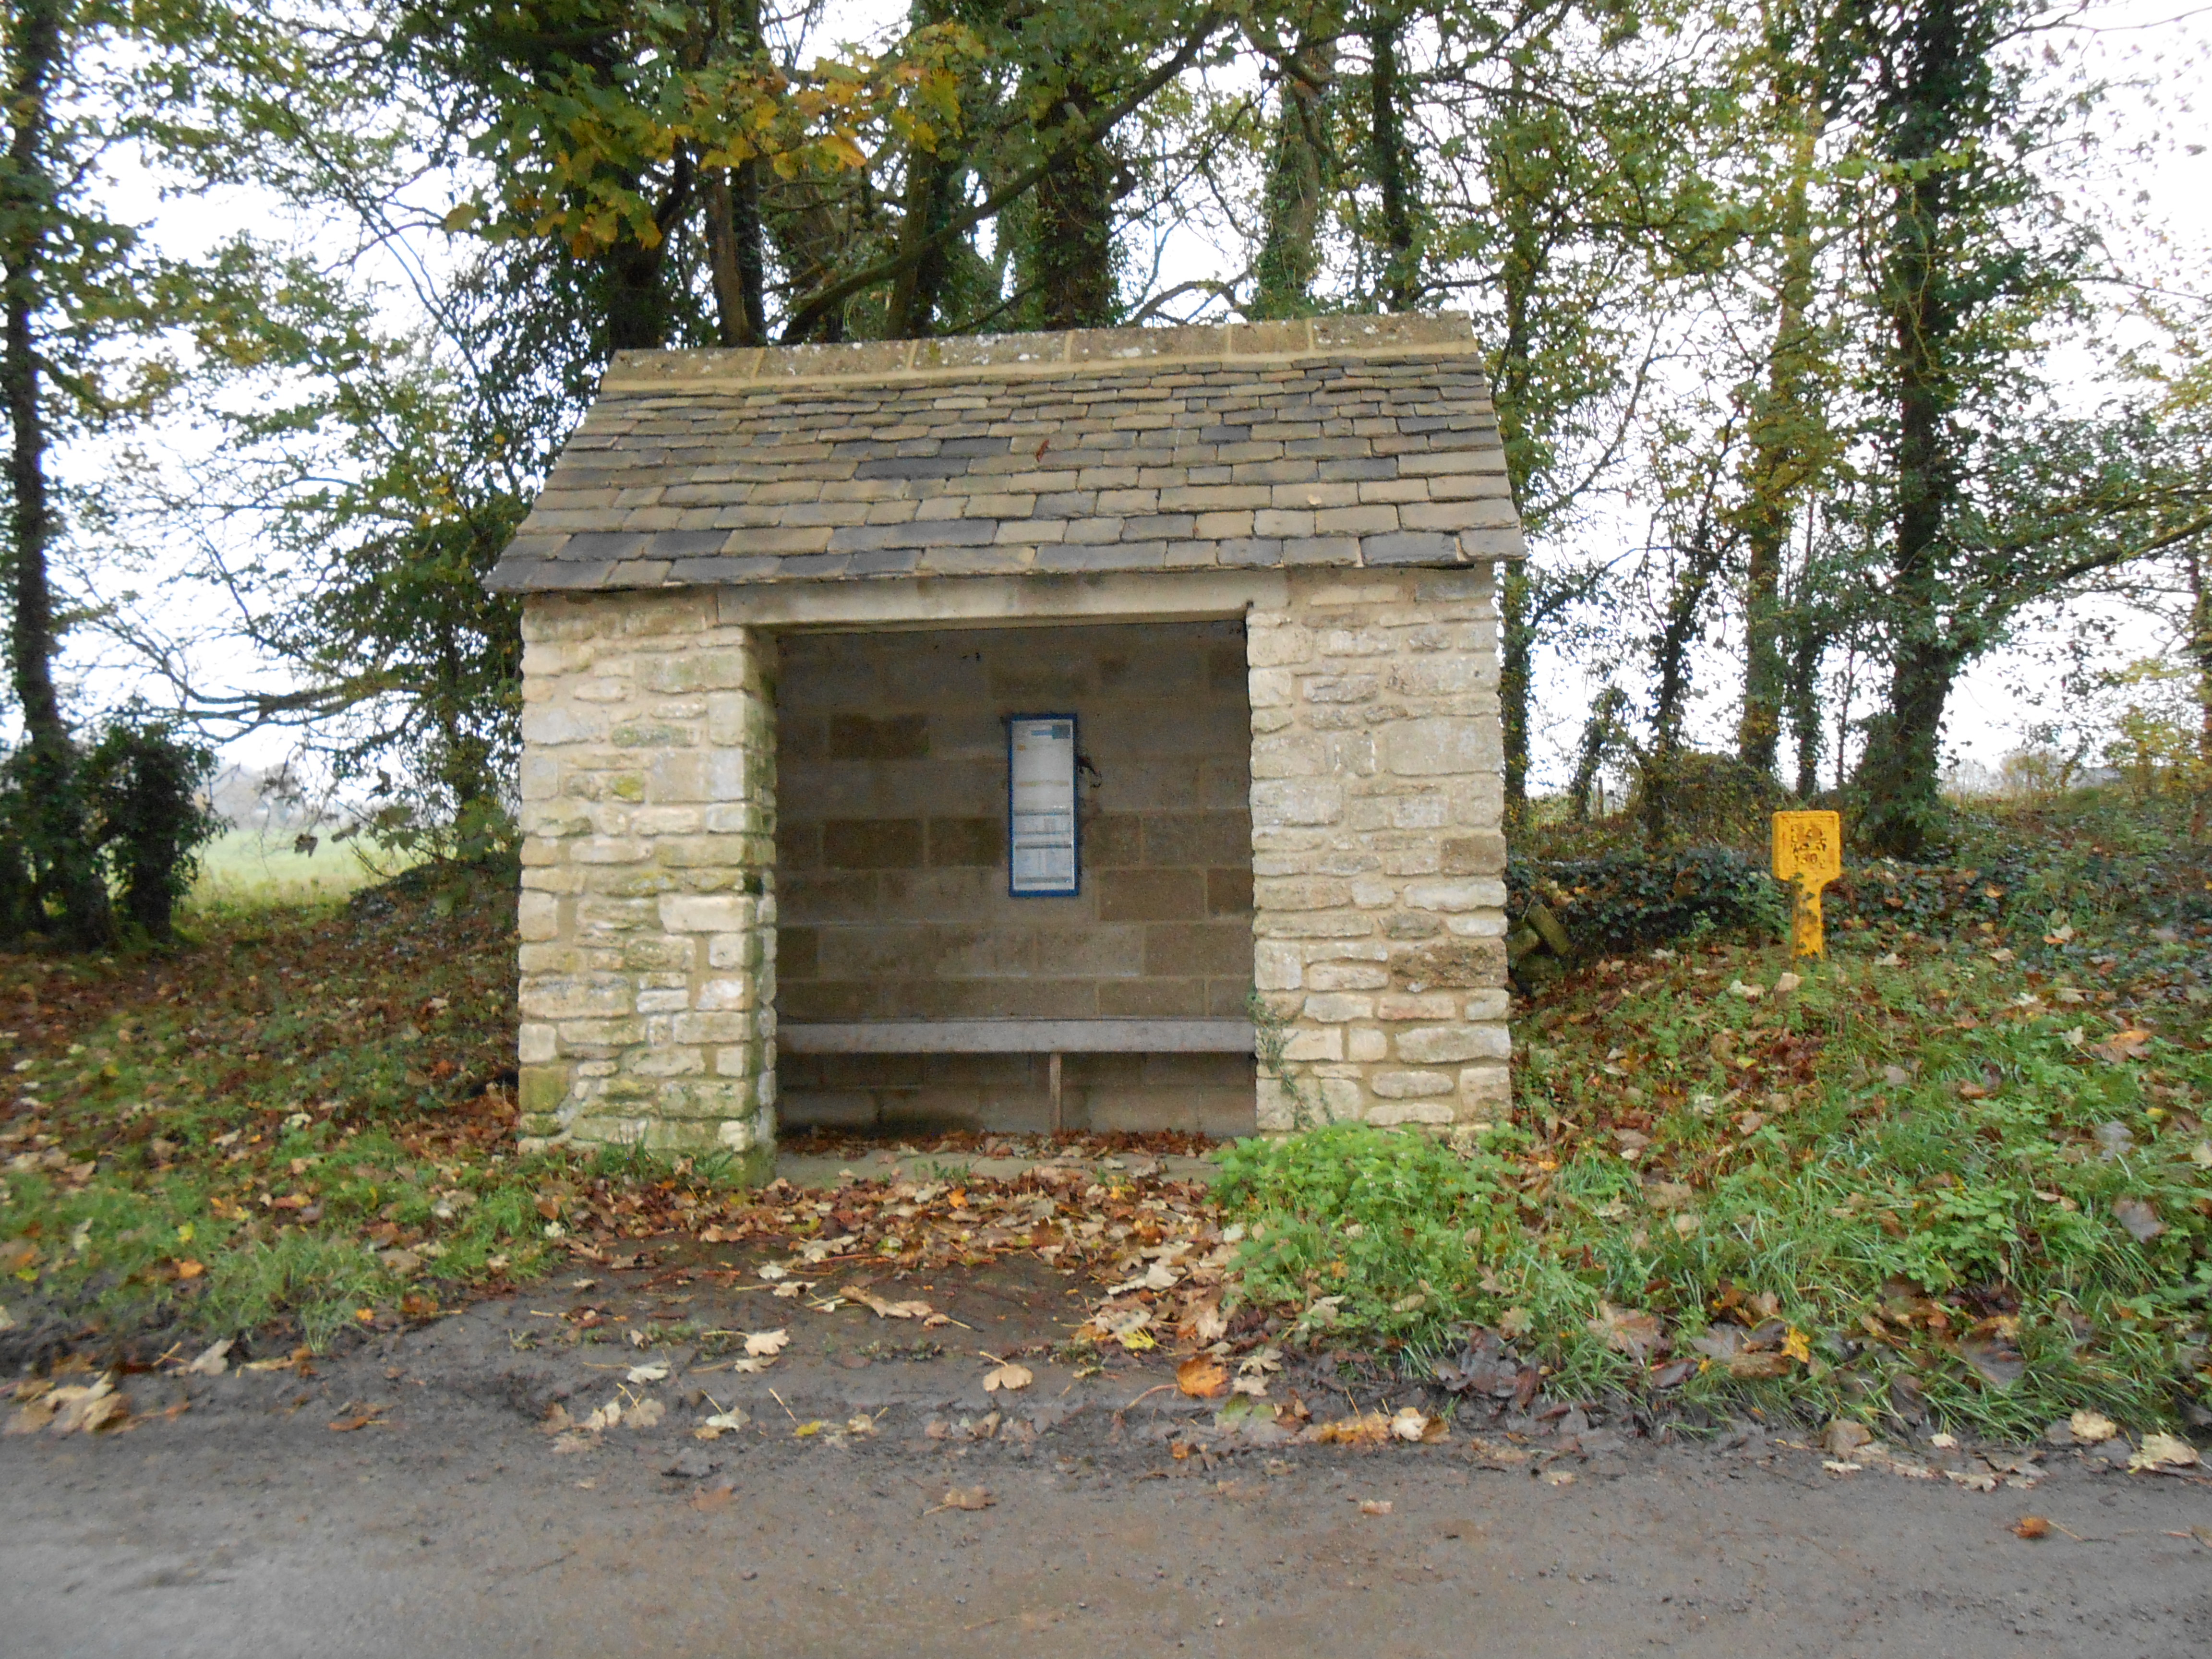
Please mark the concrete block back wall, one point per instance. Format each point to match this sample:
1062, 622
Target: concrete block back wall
891, 866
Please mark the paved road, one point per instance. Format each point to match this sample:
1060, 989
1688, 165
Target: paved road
454, 1524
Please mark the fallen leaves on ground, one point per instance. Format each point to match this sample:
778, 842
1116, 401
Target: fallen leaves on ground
1008, 1377
2030, 1526
361, 1419
71, 1408
211, 1361
884, 1309
1202, 1377
966, 1497
1627, 1331
2092, 1428
721, 1423
2162, 1452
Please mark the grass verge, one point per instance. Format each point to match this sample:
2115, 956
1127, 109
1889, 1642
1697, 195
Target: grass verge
1958, 1167
299, 1120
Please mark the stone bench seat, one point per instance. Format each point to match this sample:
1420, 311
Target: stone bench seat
1052, 1037
1018, 1037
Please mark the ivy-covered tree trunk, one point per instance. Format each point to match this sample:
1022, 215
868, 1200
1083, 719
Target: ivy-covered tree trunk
2200, 653
932, 180
1073, 227
1395, 178
732, 196
1298, 169
1940, 66
62, 859
1685, 604
640, 310
1783, 446
1801, 699
1516, 672
1519, 272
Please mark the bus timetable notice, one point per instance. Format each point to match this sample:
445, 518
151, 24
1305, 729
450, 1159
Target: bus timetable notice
1041, 806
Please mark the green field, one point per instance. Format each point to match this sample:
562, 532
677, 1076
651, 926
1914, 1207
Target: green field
251, 867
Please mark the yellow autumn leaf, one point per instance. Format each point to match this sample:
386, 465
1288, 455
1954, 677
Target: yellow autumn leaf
1798, 1345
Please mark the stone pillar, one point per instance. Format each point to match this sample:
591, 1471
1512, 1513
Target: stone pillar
1378, 850
649, 883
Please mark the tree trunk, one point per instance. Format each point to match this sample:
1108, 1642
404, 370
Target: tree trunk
1516, 671
1925, 108
1780, 455
640, 314
733, 252
1518, 278
1393, 165
1297, 178
1671, 659
1073, 227
2200, 652
1800, 696
932, 178
63, 861
1903, 753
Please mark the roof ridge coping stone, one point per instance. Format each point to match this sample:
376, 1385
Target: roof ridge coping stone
987, 357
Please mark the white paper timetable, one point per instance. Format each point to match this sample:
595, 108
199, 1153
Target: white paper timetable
1041, 804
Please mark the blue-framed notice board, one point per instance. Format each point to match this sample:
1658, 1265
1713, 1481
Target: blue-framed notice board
1042, 855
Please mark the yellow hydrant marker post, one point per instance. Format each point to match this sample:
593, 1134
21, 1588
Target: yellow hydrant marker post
1808, 854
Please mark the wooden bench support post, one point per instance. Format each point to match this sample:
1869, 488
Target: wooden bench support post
1053, 1072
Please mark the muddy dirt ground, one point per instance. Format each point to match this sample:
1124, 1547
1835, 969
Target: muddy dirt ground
440, 1516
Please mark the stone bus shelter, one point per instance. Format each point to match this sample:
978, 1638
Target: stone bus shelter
794, 618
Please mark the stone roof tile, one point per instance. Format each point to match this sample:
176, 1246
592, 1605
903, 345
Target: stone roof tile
1337, 440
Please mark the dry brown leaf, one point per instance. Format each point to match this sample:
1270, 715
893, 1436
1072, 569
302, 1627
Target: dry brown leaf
85, 1409
2134, 1043
766, 1344
361, 1419
2140, 1217
1627, 1330
884, 1309
2030, 1526
2163, 1451
1366, 1428
1753, 1366
211, 1361
2092, 1428
1843, 1437
1202, 1378
967, 1497
1375, 1506
1008, 1377
1415, 1426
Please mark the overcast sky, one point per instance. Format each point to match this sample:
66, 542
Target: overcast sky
2162, 45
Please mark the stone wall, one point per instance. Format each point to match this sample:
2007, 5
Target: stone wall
892, 867
1375, 930
1378, 850
649, 898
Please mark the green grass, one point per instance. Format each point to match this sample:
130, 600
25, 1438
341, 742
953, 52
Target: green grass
249, 869
1931, 1193
234, 1134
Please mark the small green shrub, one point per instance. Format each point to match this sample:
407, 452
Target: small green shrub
1623, 901
147, 789
1383, 1229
